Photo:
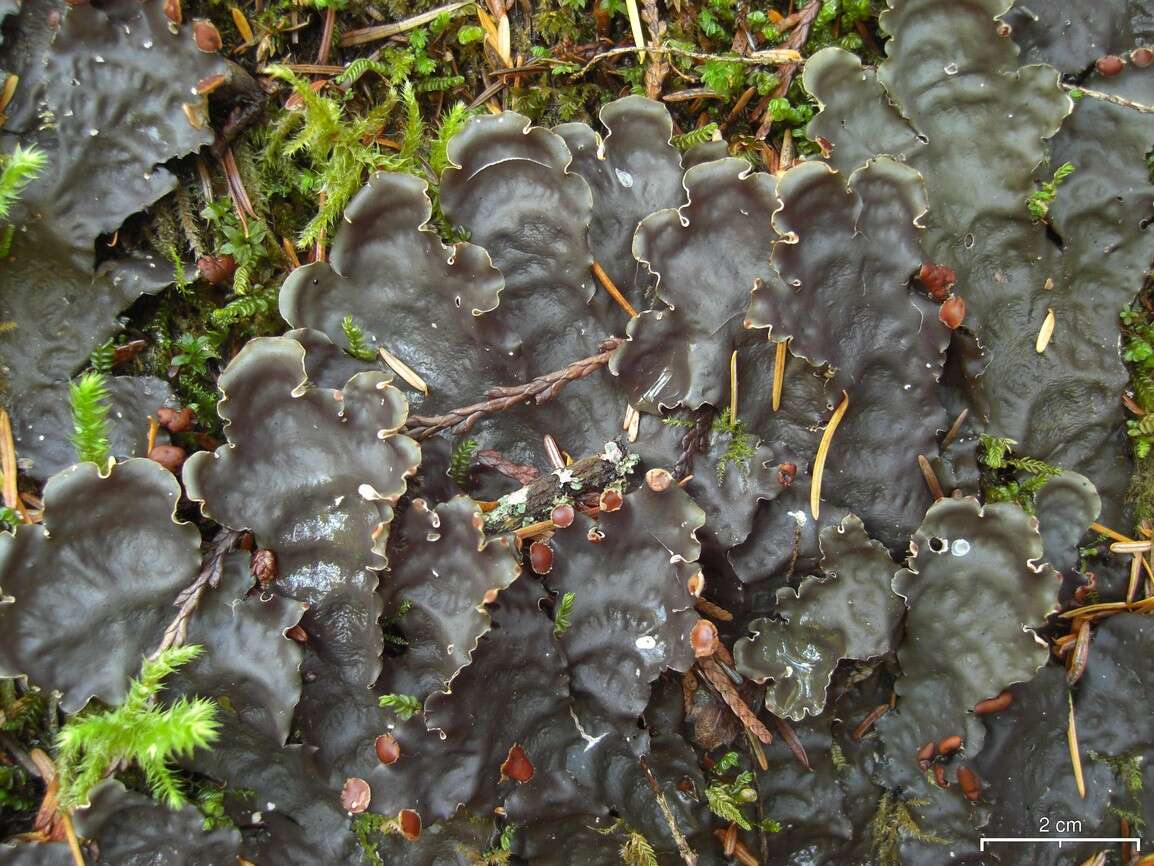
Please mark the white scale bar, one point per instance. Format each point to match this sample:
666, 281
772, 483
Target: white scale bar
1136, 842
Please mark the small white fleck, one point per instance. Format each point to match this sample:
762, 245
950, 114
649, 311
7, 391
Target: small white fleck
647, 642
367, 491
625, 177
960, 547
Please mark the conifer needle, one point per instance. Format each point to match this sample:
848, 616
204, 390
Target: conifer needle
822, 452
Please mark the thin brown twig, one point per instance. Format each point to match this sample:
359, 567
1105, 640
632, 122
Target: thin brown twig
73, 842
687, 854
327, 36
236, 190
384, 31
783, 57
1109, 97
190, 596
539, 390
785, 74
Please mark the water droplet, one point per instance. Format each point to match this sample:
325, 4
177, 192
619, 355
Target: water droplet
625, 177
960, 547
950, 69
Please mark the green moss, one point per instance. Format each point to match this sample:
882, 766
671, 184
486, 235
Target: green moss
141, 732
894, 822
89, 400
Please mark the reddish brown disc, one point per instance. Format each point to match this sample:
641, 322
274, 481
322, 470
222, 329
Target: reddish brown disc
409, 823
171, 457
703, 638
938, 280
388, 749
206, 36
949, 745
540, 557
925, 755
970, 784
1110, 65
355, 795
658, 480
517, 765
611, 500
563, 516
952, 312
994, 705
218, 270
298, 634
786, 472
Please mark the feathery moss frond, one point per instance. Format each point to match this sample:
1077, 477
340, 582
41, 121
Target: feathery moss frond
89, 399
562, 612
20, 168
414, 132
695, 136
461, 459
403, 706
894, 822
139, 731
358, 346
450, 125
637, 851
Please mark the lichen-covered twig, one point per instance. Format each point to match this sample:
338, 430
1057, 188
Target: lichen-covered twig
539, 390
189, 598
532, 504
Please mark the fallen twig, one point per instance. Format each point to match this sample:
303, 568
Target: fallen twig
189, 598
687, 853
539, 390
1109, 97
770, 57
384, 31
716, 677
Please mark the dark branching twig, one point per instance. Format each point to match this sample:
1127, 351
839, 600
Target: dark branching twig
190, 596
539, 390
694, 442
796, 41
